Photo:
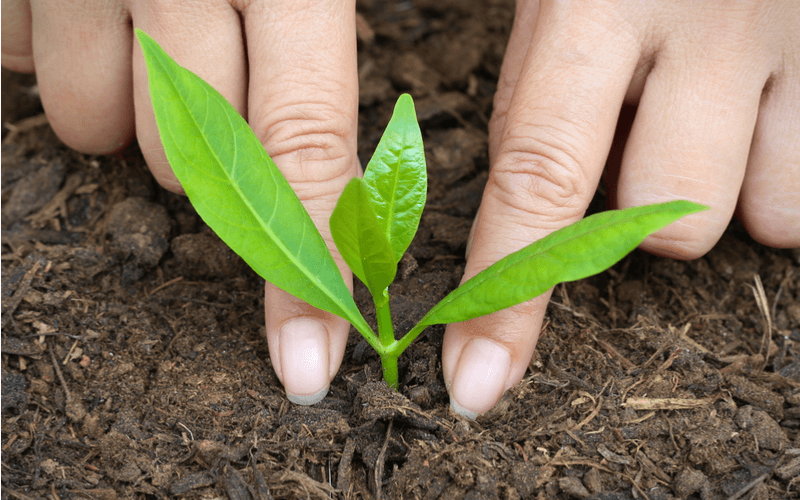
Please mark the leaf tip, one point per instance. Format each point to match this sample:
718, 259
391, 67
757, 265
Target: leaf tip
405, 106
149, 46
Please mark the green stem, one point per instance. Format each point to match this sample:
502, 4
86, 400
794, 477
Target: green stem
389, 365
386, 338
384, 314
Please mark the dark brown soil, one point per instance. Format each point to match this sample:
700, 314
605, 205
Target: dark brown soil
134, 362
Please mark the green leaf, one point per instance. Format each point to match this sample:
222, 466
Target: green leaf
396, 177
583, 249
360, 239
237, 189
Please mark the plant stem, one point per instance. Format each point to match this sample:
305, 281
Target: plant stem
384, 315
386, 338
389, 365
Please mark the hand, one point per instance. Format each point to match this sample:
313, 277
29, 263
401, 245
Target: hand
718, 122
295, 81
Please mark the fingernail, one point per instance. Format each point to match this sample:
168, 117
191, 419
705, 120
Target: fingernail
304, 361
480, 377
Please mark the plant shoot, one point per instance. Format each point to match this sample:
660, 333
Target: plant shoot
240, 193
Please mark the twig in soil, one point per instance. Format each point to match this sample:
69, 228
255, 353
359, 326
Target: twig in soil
636, 485
575, 438
73, 408
625, 362
57, 204
641, 419
191, 435
52, 334
568, 376
57, 368
672, 435
667, 403
69, 354
379, 463
24, 125
176, 334
766, 318
591, 415
165, 285
661, 350
569, 309
666, 364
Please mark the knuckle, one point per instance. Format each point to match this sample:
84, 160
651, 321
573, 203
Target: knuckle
310, 145
540, 178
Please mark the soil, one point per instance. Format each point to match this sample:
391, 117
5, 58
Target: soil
134, 361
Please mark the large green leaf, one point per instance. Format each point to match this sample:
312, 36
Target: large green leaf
237, 189
396, 177
583, 249
360, 239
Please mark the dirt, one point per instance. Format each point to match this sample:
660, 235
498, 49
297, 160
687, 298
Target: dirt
134, 361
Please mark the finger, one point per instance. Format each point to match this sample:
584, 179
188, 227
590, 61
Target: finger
83, 68
16, 36
204, 37
769, 204
556, 136
513, 60
692, 132
303, 105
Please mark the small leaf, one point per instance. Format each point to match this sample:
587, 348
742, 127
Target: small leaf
396, 177
583, 249
237, 189
359, 237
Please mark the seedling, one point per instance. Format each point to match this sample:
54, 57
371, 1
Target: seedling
240, 193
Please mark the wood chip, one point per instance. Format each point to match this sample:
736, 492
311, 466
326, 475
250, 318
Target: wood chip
667, 403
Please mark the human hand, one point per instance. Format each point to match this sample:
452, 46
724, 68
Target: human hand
718, 122
294, 80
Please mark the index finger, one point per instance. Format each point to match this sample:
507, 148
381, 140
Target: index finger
303, 105
555, 137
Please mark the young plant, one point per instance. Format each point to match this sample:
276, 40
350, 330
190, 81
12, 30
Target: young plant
240, 193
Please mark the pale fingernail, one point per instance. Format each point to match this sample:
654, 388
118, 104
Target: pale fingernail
480, 377
304, 360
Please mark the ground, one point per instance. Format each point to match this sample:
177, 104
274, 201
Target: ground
134, 362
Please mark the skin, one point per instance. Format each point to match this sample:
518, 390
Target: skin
717, 86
